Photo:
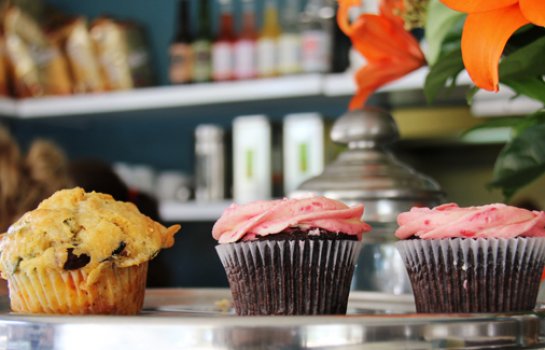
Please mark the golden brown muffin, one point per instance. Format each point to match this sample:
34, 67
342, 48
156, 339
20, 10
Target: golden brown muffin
81, 253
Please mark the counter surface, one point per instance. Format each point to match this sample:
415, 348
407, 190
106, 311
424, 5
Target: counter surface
203, 319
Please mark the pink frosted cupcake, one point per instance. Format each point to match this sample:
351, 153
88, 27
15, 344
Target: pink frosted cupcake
290, 256
476, 259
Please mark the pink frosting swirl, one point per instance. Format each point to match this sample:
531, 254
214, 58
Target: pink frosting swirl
488, 221
262, 218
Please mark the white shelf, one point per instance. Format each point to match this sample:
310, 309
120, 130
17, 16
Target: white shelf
344, 84
173, 211
163, 97
239, 91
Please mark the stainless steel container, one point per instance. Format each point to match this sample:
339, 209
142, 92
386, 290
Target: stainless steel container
369, 173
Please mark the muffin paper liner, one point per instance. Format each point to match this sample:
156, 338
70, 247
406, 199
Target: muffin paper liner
113, 291
474, 275
290, 277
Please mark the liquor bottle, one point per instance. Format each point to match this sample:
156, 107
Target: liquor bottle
289, 43
316, 31
245, 66
202, 45
267, 45
181, 53
223, 47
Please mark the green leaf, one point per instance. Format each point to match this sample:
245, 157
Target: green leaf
521, 161
439, 22
523, 70
524, 62
531, 87
471, 94
516, 124
443, 73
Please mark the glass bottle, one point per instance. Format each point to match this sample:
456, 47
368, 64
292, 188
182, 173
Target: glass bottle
316, 31
267, 45
223, 48
202, 46
181, 53
289, 43
245, 66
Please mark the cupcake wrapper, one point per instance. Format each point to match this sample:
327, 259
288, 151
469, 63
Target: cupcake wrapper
113, 291
290, 277
474, 275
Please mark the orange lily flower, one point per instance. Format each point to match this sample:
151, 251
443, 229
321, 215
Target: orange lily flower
489, 24
391, 51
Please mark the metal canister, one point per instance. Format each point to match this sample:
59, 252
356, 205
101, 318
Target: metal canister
210, 163
369, 173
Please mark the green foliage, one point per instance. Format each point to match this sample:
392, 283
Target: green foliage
522, 68
521, 161
439, 29
443, 74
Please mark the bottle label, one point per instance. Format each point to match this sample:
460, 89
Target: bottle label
245, 59
202, 67
181, 63
266, 57
315, 52
222, 60
289, 54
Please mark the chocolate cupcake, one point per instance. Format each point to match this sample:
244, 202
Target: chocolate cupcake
290, 256
476, 259
80, 253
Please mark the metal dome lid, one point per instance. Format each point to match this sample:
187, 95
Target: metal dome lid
368, 172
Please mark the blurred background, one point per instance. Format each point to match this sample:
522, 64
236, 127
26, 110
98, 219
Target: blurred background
191, 105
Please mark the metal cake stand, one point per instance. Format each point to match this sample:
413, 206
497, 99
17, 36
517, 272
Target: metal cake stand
203, 319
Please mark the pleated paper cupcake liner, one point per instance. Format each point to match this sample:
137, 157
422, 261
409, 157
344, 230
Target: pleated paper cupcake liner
113, 291
474, 275
290, 277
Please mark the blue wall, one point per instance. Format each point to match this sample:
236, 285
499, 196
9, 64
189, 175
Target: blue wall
162, 138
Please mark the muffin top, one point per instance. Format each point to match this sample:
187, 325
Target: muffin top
76, 230
258, 219
487, 221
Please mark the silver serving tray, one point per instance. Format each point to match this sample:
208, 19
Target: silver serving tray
202, 319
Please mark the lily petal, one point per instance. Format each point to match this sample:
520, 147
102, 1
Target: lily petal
473, 6
378, 38
393, 10
534, 11
483, 40
376, 74
343, 14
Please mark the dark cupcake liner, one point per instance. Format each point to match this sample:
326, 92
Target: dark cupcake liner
474, 275
291, 277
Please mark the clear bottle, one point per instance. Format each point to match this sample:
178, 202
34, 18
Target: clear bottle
245, 50
181, 53
223, 47
202, 45
316, 32
210, 163
289, 43
267, 45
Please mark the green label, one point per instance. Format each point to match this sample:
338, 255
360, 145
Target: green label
202, 67
303, 157
249, 163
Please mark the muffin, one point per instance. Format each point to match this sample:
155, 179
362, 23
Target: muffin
80, 253
476, 259
290, 256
